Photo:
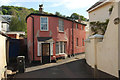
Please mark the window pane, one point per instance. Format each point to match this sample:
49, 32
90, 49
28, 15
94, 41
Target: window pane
61, 48
61, 25
82, 42
57, 48
43, 20
64, 47
44, 24
77, 42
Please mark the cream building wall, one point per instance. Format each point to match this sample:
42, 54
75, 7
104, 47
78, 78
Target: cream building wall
101, 13
107, 50
119, 40
105, 54
2, 55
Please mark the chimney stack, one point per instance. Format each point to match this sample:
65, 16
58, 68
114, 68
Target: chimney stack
41, 9
79, 20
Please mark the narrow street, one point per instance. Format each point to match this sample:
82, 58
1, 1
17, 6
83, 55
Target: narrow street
74, 67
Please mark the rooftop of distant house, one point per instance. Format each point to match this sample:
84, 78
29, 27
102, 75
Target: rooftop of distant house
3, 20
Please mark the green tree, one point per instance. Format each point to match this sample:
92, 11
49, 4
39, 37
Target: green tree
75, 16
4, 11
18, 24
58, 14
12, 11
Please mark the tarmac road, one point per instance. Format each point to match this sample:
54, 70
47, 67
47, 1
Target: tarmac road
74, 69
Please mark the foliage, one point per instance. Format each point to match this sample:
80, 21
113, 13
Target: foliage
99, 27
4, 11
110, 10
59, 14
18, 22
74, 16
77, 16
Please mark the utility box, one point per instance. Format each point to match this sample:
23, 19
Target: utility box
21, 64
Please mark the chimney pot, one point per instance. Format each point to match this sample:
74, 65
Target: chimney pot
41, 9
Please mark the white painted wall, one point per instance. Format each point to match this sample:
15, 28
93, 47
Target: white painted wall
0, 25
2, 55
5, 27
90, 51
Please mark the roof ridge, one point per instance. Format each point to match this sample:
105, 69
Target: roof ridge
96, 4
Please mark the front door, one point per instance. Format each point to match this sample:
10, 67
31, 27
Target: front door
45, 53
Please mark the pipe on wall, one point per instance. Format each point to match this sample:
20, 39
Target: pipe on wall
33, 35
73, 38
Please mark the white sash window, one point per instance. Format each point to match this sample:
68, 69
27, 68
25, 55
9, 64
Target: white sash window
44, 23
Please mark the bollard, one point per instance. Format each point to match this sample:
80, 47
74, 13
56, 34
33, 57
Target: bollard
21, 64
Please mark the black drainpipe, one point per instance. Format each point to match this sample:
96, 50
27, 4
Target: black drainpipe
33, 36
73, 38
119, 73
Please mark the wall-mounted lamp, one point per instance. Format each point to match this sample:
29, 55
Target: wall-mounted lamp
116, 21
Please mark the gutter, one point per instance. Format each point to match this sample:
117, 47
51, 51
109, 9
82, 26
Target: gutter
33, 36
5, 35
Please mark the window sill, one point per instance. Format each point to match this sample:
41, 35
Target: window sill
60, 53
61, 31
38, 56
44, 31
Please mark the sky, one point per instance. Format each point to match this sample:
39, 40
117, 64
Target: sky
65, 7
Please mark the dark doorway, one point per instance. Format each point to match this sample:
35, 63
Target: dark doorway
45, 53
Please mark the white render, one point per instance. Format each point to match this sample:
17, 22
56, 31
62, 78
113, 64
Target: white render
2, 56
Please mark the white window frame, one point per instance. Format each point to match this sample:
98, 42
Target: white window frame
61, 25
39, 49
47, 24
59, 52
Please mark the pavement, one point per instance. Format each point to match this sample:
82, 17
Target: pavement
59, 62
75, 67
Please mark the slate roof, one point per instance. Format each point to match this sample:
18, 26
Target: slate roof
3, 20
96, 4
51, 15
